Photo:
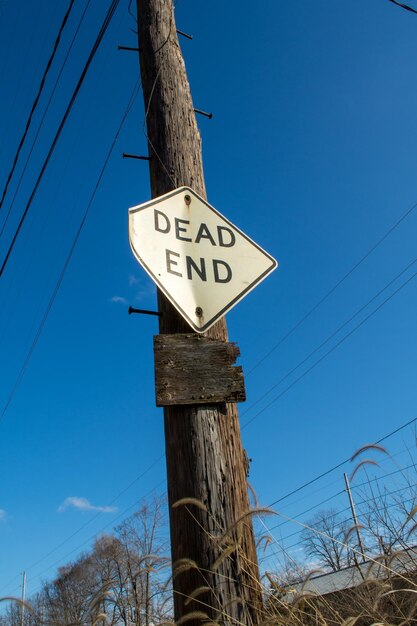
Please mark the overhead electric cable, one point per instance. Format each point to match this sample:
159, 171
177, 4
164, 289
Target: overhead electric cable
106, 22
347, 519
344, 520
132, 98
332, 349
69, 256
335, 514
333, 334
348, 508
314, 506
35, 102
335, 467
356, 485
333, 289
40, 126
403, 6
378, 478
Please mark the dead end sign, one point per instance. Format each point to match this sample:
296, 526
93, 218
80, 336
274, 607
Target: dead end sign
201, 262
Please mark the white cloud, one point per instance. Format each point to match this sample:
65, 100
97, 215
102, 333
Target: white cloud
82, 504
133, 280
2, 514
118, 299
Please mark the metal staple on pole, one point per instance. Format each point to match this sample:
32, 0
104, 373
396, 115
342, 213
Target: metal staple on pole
126, 155
200, 112
143, 312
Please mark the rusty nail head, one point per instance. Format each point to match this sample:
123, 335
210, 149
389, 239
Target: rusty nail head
187, 200
199, 311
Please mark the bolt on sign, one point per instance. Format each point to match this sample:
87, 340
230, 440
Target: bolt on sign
201, 262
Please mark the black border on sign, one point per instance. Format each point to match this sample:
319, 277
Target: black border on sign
213, 320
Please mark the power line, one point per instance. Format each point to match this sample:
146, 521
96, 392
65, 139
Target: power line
69, 256
51, 301
39, 128
354, 486
403, 6
346, 519
360, 503
332, 349
106, 22
311, 508
378, 478
311, 494
43, 117
335, 467
315, 506
347, 508
336, 286
333, 334
35, 102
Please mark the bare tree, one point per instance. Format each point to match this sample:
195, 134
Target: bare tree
383, 513
143, 537
110, 561
69, 597
324, 540
122, 581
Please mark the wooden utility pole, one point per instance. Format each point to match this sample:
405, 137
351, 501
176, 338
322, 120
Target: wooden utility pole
213, 548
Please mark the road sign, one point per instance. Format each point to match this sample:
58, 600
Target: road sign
201, 262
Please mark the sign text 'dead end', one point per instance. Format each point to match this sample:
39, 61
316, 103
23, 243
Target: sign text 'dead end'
201, 262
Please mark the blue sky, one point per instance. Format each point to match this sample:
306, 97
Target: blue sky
311, 152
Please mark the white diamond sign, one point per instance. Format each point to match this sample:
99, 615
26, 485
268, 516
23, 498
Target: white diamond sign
201, 262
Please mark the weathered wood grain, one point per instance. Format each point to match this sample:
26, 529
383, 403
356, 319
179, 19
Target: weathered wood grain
193, 369
204, 453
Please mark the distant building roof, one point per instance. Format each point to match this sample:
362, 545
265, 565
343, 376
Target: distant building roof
348, 577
